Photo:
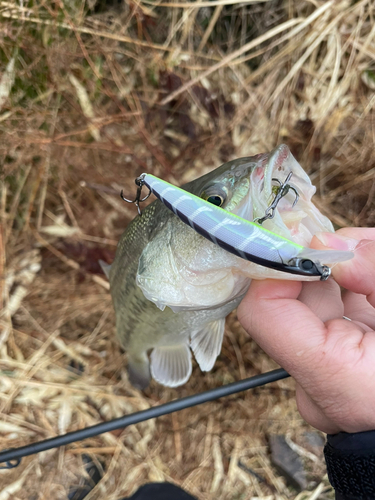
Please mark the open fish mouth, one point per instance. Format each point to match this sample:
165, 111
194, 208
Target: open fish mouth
298, 223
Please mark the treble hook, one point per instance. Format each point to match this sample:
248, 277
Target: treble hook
140, 183
281, 191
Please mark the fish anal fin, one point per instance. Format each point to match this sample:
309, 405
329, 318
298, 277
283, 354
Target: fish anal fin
171, 365
206, 343
139, 371
105, 267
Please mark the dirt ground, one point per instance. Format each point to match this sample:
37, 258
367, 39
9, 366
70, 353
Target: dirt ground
91, 95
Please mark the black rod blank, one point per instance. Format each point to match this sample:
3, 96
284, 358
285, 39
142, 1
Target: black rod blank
140, 416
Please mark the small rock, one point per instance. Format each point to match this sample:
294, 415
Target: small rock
287, 462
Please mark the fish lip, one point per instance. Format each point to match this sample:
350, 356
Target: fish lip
278, 157
267, 165
277, 161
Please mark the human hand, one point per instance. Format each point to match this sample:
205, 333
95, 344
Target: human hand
301, 326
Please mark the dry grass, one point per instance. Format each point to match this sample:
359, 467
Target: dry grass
92, 99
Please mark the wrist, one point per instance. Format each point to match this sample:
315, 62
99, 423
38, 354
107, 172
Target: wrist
350, 462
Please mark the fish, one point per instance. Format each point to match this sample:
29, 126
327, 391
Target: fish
172, 289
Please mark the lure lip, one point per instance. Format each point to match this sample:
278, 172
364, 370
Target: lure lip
295, 263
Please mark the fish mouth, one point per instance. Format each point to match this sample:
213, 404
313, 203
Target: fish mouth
297, 221
279, 156
273, 169
262, 184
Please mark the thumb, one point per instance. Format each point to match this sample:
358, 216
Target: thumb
357, 274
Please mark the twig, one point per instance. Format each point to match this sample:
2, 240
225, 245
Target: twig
89, 31
210, 26
177, 437
198, 5
230, 57
47, 165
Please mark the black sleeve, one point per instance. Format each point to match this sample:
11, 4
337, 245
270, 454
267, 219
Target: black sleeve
350, 462
160, 491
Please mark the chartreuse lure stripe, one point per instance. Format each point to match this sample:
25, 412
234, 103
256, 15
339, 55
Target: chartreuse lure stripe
241, 237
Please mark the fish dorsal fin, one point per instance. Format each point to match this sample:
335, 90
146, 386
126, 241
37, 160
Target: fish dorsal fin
171, 365
105, 267
206, 343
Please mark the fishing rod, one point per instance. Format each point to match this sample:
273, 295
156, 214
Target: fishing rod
12, 457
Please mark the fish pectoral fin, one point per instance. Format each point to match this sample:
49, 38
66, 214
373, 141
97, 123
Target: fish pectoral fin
171, 365
206, 343
105, 267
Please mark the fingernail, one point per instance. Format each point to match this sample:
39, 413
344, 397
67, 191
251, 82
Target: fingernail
338, 242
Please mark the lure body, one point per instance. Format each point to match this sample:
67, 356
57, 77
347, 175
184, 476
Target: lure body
241, 237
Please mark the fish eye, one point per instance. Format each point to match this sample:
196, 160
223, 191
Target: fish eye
214, 195
215, 200
307, 265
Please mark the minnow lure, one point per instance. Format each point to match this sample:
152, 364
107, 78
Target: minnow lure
241, 237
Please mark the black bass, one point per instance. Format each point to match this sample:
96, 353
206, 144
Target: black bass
172, 288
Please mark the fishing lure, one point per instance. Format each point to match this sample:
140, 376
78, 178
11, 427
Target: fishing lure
246, 239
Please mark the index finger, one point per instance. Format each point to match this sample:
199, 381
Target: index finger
288, 330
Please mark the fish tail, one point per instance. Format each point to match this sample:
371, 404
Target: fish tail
139, 370
171, 365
